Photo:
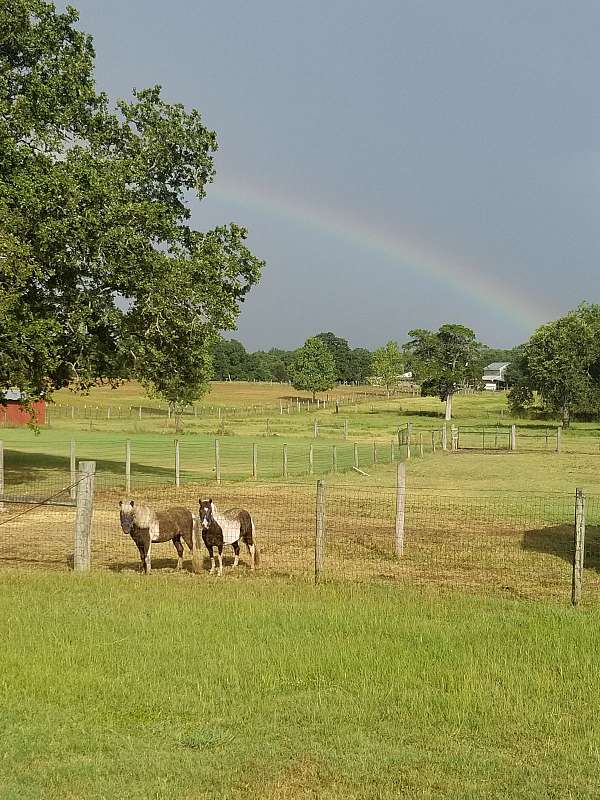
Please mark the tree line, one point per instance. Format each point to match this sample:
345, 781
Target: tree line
231, 361
441, 361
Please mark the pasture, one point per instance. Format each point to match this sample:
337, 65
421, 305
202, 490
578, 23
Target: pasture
175, 689
250, 417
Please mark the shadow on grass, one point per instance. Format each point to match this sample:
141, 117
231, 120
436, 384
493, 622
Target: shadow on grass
170, 564
30, 468
558, 541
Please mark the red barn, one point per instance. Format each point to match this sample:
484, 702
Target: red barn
11, 413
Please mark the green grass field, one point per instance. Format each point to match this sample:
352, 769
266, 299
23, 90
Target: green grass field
251, 416
167, 688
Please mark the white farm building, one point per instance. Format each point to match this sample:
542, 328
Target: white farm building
494, 376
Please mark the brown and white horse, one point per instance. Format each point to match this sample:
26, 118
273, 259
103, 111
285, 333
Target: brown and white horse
229, 527
146, 526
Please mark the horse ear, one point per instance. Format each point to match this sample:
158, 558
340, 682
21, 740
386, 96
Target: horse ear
132, 504
210, 501
120, 504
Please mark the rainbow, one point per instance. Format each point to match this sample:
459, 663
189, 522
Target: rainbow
400, 247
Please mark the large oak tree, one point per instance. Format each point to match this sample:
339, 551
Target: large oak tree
102, 276
444, 360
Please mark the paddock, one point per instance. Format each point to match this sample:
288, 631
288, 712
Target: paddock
516, 545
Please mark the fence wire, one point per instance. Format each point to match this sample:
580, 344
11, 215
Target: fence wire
516, 544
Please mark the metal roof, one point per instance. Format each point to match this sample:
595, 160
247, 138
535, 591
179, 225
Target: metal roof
12, 394
497, 365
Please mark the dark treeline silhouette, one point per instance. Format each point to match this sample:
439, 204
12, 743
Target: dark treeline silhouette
231, 361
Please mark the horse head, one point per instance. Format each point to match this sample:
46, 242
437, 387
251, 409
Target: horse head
207, 511
127, 516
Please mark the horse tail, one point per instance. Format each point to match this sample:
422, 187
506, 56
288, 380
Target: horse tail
256, 553
196, 556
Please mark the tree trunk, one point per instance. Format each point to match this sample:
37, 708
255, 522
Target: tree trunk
566, 416
448, 407
314, 397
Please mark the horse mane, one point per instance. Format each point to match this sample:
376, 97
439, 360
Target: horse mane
143, 516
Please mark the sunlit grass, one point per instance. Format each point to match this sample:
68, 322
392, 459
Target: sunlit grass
119, 686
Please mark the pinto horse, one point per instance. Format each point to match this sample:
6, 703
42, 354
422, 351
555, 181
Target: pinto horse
146, 526
227, 528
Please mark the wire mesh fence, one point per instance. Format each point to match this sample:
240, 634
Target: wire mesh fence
136, 462
514, 544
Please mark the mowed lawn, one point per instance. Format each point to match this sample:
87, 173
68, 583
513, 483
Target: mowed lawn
116, 686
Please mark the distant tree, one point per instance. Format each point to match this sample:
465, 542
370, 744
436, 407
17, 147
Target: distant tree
561, 361
230, 360
180, 387
360, 365
313, 367
340, 350
444, 360
388, 364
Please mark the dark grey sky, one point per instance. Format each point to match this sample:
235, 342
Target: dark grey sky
398, 163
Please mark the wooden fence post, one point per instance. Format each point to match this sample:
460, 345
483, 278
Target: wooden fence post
217, 461
579, 550
315, 428
392, 454
433, 442
255, 461
400, 506
444, 437
73, 470
513, 437
82, 554
311, 460
285, 461
128, 466
334, 458
454, 432
176, 462
140, 413
1, 475
320, 532
558, 432
421, 445
355, 455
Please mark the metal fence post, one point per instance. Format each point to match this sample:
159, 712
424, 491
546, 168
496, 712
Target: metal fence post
320, 532
73, 470
82, 556
217, 461
579, 550
128, 466
400, 506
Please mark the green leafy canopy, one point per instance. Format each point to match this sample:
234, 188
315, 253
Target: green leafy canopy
92, 209
313, 367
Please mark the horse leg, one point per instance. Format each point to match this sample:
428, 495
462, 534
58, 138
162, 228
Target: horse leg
212, 558
252, 551
148, 559
142, 551
179, 548
236, 550
220, 554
